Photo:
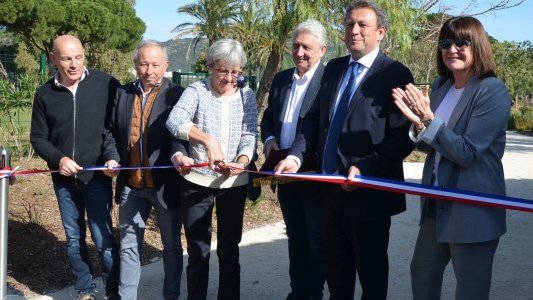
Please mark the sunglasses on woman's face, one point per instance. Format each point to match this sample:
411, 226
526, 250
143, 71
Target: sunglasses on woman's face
459, 44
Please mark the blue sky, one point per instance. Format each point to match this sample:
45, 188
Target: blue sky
513, 24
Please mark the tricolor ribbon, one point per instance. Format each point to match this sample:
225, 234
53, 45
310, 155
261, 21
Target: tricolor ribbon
447, 194
10, 173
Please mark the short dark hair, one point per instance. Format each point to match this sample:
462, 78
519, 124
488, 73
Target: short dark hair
380, 15
470, 29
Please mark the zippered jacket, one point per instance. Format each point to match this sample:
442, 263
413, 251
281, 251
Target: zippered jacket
70, 125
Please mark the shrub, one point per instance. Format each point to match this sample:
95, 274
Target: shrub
521, 117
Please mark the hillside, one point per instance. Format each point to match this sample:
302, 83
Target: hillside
177, 54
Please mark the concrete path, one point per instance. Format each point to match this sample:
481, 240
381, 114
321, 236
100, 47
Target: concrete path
264, 261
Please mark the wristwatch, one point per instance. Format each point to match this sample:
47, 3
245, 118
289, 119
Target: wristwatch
428, 121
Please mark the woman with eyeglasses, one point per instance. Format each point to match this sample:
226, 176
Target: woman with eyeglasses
215, 121
462, 127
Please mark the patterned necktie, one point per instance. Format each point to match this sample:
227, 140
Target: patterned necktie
329, 157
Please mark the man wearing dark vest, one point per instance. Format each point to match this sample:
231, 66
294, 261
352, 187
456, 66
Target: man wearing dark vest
137, 130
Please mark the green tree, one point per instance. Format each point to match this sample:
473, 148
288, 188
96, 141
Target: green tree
100, 24
249, 28
213, 19
515, 62
282, 17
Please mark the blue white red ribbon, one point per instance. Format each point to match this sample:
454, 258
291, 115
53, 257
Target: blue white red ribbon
16, 173
447, 194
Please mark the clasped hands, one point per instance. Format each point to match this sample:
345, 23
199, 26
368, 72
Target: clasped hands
414, 104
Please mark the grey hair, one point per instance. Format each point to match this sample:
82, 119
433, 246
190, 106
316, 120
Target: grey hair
148, 43
380, 14
314, 28
227, 51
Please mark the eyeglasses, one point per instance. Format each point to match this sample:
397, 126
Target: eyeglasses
225, 72
459, 43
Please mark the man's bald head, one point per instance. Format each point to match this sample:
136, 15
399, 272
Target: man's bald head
62, 40
69, 57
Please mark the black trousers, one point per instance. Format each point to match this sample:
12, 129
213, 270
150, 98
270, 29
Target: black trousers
197, 208
302, 212
354, 246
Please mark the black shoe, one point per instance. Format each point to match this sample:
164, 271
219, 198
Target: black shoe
292, 296
111, 296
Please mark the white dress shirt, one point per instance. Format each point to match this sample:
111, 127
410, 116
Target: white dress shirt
294, 104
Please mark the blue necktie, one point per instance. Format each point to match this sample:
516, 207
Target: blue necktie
329, 157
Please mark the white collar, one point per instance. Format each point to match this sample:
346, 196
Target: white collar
368, 59
307, 75
83, 75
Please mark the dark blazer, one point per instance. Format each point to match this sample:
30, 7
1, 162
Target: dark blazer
280, 90
160, 143
374, 136
472, 145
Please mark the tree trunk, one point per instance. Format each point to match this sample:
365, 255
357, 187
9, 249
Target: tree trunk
272, 67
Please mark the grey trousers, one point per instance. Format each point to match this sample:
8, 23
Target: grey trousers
135, 208
472, 266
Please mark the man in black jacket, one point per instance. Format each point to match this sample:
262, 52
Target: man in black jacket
137, 130
68, 118
292, 93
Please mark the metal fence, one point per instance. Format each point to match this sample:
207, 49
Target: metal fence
184, 79
9, 65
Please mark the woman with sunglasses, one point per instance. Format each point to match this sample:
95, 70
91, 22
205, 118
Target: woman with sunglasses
216, 121
462, 129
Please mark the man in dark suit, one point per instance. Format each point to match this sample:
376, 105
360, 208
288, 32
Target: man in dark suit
292, 93
138, 131
356, 130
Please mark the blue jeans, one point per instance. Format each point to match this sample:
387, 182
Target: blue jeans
135, 208
94, 198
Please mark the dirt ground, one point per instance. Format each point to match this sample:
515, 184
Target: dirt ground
37, 260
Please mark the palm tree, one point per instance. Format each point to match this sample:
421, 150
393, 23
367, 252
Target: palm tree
285, 15
214, 18
252, 29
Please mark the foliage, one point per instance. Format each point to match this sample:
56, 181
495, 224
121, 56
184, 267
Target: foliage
280, 18
118, 63
521, 118
100, 24
26, 59
515, 62
252, 30
264, 27
421, 58
201, 63
214, 17
14, 99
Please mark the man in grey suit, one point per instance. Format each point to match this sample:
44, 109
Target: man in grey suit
292, 93
138, 133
